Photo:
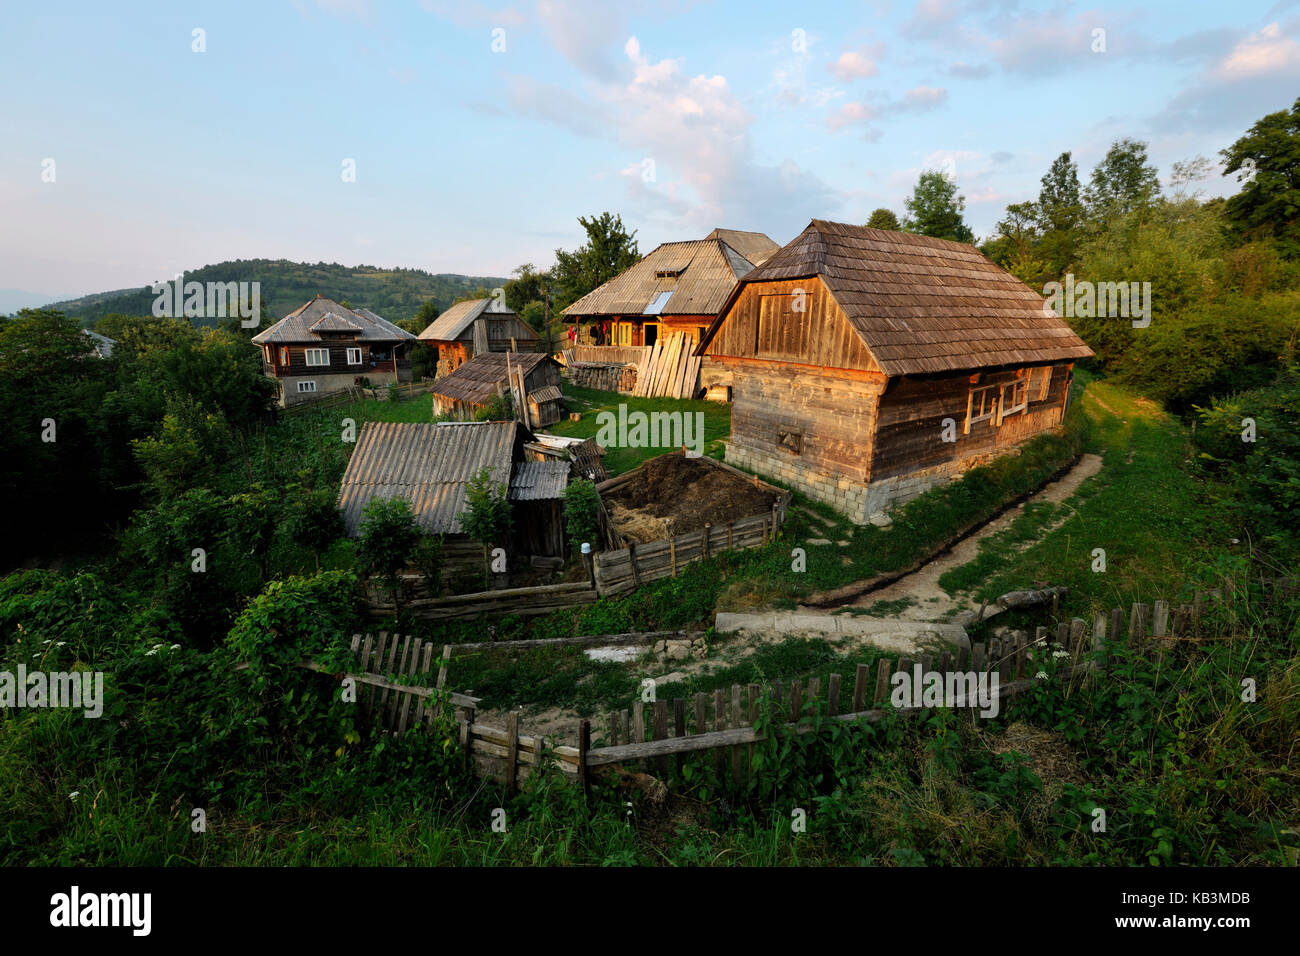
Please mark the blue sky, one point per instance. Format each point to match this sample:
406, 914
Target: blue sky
679, 116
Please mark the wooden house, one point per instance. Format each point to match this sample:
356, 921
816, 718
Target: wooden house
476, 327
477, 384
870, 365
430, 466
679, 287
324, 347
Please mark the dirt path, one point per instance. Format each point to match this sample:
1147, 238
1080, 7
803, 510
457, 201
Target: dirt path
931, 602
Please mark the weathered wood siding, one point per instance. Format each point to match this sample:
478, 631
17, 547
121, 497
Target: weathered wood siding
765, 323
833, 417
909, 424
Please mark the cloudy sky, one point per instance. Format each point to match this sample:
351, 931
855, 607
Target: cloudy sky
134, 147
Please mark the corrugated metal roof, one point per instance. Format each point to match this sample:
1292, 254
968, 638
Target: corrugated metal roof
483, 377
429, 465
453, 323
699, 273
539, 480
922, 305
756, 247
330, 322
300, 325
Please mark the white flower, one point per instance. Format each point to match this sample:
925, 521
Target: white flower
1041, 675
175, 647
151, 653
74, 794
1059, 654
60, 644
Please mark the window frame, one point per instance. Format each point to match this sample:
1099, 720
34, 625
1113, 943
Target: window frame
307, 356
302, 386
360, 357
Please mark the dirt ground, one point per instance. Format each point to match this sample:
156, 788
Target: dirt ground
674, 494
931, 602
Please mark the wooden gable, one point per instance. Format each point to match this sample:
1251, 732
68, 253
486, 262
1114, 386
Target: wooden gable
794, 321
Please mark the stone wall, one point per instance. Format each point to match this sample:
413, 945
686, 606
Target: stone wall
855, 500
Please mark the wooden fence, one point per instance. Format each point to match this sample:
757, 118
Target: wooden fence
523, 602
718, 728
355, 393
606, 354
630, 567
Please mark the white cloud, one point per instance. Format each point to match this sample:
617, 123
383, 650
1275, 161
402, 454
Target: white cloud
853, 65
1267, 51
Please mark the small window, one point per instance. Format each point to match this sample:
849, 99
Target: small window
318, 356
981, 405
791, 441
284, 355
354, 356
1013, 397
306, 386
1039, 387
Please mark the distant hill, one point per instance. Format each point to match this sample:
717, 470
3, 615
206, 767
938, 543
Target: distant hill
393, 293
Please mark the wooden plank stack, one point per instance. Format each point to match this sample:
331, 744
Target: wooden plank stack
670, 371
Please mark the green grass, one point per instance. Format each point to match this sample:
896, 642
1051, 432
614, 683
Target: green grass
589, 403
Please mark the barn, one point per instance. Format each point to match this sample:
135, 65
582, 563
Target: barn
870, 365
476, 327
474, 386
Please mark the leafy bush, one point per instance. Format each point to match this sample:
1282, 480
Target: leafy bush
488, 518
581, 510
388, 537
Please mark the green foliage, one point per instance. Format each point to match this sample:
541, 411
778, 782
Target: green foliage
581, 513
428, 561
1267, 158
388, 537
1124, 181
393, 293
883, 219
935, 209
609, 250
487, 518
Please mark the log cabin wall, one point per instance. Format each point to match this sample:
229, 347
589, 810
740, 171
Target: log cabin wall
910, 426
805, 391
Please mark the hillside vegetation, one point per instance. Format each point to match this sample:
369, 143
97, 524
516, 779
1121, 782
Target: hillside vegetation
395, 294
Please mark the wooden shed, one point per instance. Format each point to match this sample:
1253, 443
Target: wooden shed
478, 383
430, 465
869, 365
476, 327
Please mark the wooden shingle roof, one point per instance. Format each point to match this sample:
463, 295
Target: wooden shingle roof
479, 380
922, 305
306, 323
699, 274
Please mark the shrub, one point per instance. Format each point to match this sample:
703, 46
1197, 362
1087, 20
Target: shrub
581, 511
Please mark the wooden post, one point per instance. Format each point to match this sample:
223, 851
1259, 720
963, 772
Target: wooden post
737, 720
442, 670
882, 685
720, 723
860, 687
636, 572
672, 554
512, 750
584, 744
659, 731
679, 725
833, 695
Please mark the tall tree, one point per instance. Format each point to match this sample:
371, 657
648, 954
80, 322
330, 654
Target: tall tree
609, 250
883, 219
1059, 204
1123, 181
1267, 158
935, 209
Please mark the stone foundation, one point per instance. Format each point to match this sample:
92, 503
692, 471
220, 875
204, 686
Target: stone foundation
858, 501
